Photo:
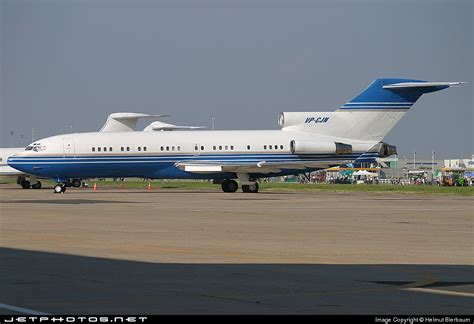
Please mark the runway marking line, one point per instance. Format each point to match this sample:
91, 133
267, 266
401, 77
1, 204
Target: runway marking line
22, 310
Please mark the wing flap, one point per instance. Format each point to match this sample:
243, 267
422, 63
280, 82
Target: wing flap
202, 167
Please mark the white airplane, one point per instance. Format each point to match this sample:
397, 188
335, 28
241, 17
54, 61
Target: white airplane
115, 122
24, 180
307, 141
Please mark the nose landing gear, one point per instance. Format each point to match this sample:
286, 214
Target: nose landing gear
60, 188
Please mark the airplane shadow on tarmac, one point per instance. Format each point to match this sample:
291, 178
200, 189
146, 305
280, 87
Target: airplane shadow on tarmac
69, 284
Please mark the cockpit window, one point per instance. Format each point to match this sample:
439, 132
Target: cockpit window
36, 148
39, 148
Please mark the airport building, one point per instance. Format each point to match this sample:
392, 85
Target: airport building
395, 170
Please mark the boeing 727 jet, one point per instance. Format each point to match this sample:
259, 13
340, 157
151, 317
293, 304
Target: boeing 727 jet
307, 141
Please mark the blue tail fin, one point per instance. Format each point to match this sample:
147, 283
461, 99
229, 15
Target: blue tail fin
381, 95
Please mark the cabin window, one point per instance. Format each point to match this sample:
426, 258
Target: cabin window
121, 149
248, 147
270, 147
110, 149
98, 149
162, 148
93, 149
105, 149
179, 148
214, 147
264, 147
281, 147
139, 148
172, 148
167, 148
128, 148
220, 147
144, 148
202, 148
196, 148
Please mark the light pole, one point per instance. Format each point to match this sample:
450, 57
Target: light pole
414, 159
213, 120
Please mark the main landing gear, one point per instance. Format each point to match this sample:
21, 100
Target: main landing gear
232, 186
229, 185
76, 183
28, 182
251, 188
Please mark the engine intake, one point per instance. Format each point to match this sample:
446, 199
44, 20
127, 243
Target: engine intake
305, 147
384, 149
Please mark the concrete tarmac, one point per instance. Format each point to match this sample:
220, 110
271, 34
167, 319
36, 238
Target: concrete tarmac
171, 251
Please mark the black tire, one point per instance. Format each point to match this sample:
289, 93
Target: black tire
37, 185
229, 186
25, 184
253, 188
76, 183
58, 188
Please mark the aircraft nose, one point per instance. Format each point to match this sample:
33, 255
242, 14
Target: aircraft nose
13, 161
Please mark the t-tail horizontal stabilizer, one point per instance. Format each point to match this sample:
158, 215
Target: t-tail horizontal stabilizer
160, 126
394, 94
125, 122
370, 115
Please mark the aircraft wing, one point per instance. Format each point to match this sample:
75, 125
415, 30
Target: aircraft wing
203, 167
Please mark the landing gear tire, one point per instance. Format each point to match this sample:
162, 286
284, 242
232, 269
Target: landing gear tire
25, 184
229, 186
59, 188
37, 185
253, 188
76, 183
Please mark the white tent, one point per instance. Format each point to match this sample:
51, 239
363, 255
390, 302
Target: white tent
365, 173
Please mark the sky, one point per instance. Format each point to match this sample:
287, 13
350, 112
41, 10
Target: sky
66, 65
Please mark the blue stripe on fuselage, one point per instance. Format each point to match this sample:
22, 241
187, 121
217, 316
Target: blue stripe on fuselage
153, 166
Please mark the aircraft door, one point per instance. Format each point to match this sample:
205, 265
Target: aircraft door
68, 147
196, 150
